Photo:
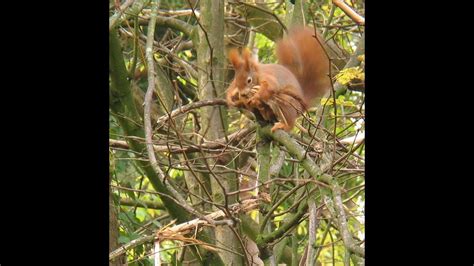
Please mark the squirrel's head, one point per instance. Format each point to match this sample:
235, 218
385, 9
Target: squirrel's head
245, 70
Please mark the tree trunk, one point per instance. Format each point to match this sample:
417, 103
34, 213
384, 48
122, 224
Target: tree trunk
113, 230
211, 75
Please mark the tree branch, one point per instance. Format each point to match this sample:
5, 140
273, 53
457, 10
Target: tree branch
299, 152
191, 106
349, 12
114, 19
142, 203
147, 114
123, 108
186, 227
342, 221
176, 24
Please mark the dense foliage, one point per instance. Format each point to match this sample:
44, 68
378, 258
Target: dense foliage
294, 198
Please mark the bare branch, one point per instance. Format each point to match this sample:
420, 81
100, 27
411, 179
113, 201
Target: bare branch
349, 12
191, 106
114, 19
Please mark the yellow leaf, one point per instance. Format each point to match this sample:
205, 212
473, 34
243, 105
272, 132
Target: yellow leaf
327, 101
348, 74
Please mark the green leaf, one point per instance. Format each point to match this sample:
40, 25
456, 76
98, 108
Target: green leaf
124, 239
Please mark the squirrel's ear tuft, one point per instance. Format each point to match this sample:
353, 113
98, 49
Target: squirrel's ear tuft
247, 56
235, 59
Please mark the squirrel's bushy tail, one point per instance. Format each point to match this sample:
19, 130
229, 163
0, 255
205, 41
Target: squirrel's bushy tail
304, 56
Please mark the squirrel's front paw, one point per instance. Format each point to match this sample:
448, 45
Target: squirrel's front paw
254, 102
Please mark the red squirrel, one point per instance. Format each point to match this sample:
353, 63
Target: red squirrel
285, 90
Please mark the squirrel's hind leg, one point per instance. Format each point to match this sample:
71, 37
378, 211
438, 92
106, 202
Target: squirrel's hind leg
280, 125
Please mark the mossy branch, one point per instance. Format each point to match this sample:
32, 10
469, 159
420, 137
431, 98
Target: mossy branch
250, 229
263, 240
297, 151
142, 203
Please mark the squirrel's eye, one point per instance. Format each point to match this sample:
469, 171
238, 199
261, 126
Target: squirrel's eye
249, 80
